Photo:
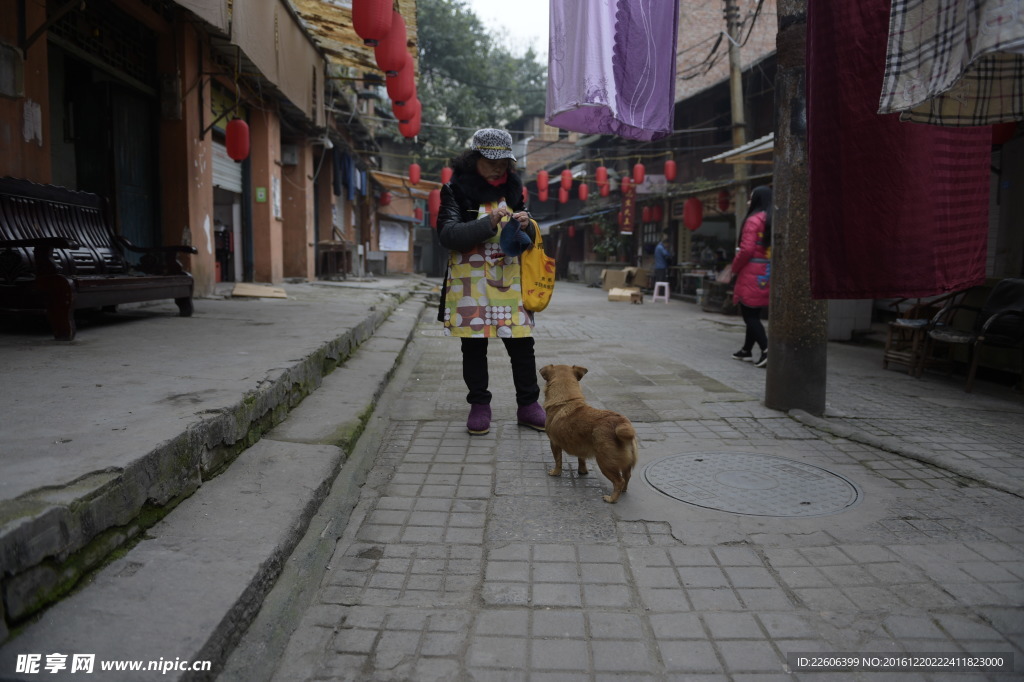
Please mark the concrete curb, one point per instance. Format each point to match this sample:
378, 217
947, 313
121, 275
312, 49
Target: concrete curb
191, 587
52, 537
898, 447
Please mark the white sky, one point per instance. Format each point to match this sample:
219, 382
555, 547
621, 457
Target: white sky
518, 24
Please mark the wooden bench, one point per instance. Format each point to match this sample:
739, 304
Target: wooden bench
59, 253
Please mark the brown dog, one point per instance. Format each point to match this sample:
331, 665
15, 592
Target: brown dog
585, 432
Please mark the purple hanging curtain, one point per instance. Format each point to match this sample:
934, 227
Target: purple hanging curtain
612, 67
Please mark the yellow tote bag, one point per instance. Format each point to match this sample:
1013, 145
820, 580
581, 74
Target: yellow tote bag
537, 274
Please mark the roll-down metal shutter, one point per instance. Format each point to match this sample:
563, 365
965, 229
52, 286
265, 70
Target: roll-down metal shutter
227, 174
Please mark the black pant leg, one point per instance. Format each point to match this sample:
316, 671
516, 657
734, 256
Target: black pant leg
474, 371
524, 369
755, 329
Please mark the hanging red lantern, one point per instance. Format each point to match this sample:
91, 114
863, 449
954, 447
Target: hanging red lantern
567, 179
723, 200
526, 196
584, 191
693, 213
572, 231
417, 213
392, 52
401, 87
645, 214
434, 206
446, 175
237, 142
625, 184
542, 195
385, 198
605, 189
411, 128
601, 176
639, 173
371, 19
563, 195
670, 170
657, 213
404, 111
414, 173
542, 180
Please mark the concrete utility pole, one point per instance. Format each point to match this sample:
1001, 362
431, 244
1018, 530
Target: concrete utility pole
798, 334
739, 121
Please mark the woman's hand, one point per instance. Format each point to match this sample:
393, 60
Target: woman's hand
523, 217
497, 214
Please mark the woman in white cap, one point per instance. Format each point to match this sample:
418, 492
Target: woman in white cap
483, 222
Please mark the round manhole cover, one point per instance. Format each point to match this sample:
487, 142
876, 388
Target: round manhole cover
758, 485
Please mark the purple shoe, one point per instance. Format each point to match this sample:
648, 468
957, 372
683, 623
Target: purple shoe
479, 421
532, 415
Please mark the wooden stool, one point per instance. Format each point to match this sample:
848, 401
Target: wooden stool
660, 292
904, 344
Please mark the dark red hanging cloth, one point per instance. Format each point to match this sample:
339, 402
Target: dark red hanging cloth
895, 209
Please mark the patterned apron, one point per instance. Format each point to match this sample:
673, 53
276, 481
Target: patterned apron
484, 297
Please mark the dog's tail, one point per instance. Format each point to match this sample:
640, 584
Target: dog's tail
627, 435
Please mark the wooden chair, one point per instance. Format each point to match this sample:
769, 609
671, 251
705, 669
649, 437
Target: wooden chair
905, 340
999, 322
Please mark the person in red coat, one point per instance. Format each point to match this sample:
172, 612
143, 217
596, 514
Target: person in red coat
752, 267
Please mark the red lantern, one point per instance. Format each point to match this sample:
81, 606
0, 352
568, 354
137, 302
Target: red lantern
417, 213
584, 191
606, 189
414, 173
567, 179
446, 175
434, 206
645, 214
371, 19
670, 170
542, 180
237, 142
542, 195
404, 111
563, 195
625, 184
401, 87
723, 200
638, 173
693, 213
572, 231
411, 128
385, 198
659, 212
601, 175
391, 52
526, 196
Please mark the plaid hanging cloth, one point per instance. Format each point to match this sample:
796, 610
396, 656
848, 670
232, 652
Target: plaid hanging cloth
955, 62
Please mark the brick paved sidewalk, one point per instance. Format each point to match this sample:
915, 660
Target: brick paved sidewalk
465, 561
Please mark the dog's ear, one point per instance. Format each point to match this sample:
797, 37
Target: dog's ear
579, 372
545, 371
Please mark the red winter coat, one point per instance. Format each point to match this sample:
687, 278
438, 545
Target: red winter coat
751, 265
